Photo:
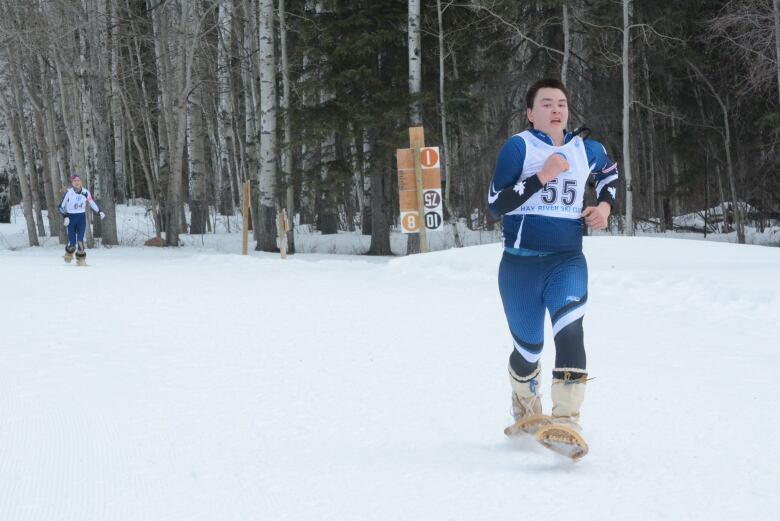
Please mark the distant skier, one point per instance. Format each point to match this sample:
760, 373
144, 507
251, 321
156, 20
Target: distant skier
538, 187
73, 208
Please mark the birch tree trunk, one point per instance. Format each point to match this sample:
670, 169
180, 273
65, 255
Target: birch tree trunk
35, 88
237, 98
199, 207
415, 66
366, 186
443, 108
286, 147
29, 162
56, 170
629, 230
415, 107
225, 116
249, 154
71, 119
201, 101
59, 175
152, 145
446, 164
53, 216
175, 54
117, 121
267, 180
146, 166
12, 124
56, 166
26, 155
566, 44
99, 71
776, 12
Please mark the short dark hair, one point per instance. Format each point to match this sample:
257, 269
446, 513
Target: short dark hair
546, 83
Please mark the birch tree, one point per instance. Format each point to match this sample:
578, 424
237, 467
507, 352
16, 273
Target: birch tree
225, 169
95, 12
196, 141
11, 115
249, 153
415, 64
35, 89
776, 13
268, 150
629, 204
176, 30
415, 105
286, 155
117, 121
566, 43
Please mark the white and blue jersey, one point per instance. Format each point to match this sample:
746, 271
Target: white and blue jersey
76, 202
74, 207
547, 218
543, 269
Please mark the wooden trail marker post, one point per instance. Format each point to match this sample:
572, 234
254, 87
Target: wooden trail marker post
283, 226
245, 211
419, 185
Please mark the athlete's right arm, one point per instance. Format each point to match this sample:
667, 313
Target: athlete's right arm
506, 191
63, 204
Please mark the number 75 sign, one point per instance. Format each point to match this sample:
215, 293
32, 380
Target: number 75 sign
433, 213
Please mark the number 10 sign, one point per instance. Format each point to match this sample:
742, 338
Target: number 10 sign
433, 211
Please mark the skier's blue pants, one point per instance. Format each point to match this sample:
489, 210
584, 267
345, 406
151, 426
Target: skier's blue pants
76, 228
531, 285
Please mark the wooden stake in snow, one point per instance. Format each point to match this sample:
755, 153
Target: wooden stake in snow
419, 185
245, 210
416, 142
282, 225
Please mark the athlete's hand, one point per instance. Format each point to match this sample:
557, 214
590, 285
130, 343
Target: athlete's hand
102, 215
597, 217
66, 221
554, 166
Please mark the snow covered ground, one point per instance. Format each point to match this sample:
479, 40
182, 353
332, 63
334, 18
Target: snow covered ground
135, 226
173, 384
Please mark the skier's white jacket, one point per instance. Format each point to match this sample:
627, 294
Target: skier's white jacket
547, 218
76, 202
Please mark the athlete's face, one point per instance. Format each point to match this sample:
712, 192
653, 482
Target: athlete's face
76, 182
550, 112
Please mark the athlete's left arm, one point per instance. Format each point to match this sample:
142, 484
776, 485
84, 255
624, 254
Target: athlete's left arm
92, 203
605, 172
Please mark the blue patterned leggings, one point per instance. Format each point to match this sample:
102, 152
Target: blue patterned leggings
531, 285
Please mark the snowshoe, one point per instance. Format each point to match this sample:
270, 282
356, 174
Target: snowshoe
528, 424
563, 439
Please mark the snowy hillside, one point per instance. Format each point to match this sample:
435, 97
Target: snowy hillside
163, 384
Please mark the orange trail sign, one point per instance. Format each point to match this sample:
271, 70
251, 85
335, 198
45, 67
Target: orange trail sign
433, 213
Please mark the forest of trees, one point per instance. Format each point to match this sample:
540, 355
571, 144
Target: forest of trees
175, 103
